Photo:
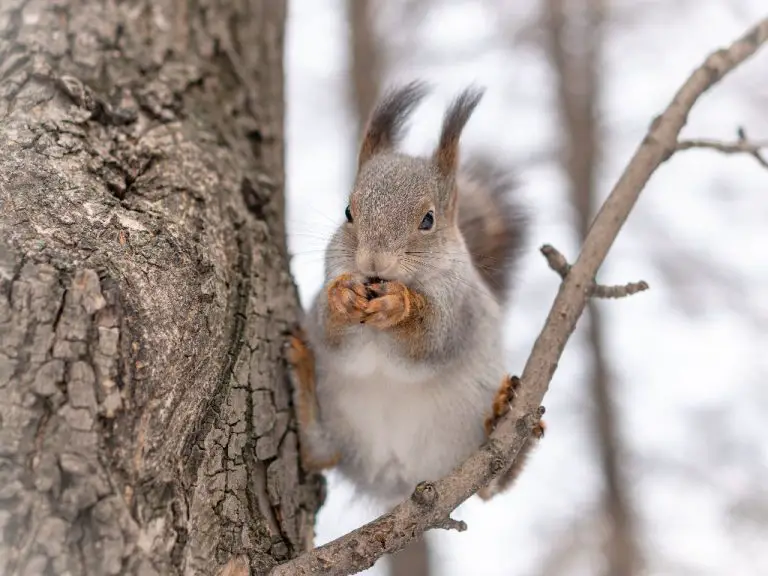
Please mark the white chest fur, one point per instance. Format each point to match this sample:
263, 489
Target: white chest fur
400, 423
370, 358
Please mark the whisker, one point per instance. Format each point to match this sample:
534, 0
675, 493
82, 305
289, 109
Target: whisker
451, 274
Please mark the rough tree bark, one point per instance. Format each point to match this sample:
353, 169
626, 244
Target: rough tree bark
145, 421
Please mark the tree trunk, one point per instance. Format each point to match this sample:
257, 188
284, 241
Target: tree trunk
366, 61
145, 420
574, 43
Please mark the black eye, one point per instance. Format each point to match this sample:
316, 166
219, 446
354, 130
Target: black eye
428, 221
348, 214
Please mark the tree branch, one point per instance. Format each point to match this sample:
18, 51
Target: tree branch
432, 503
559, 264
741, 146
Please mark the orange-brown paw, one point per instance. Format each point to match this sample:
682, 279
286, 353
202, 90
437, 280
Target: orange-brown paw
312, 464
501, 403
347, 299
301, 360
504, 397
392, 303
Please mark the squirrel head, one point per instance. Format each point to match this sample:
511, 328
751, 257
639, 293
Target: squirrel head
402, 217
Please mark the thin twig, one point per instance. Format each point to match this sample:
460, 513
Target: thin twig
360, 548
606, 292
756, 154
740, 146
737, 147
559, 264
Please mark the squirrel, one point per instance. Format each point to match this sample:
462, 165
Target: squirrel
398, 371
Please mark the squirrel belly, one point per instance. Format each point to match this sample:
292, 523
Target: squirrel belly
397, 423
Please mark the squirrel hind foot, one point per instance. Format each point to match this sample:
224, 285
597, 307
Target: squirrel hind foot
300, 359
505, 395
502, 402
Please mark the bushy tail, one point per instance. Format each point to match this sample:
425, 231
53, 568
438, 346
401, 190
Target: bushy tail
493, 224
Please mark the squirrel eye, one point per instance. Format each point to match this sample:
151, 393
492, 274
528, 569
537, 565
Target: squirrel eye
428, 221
348, 214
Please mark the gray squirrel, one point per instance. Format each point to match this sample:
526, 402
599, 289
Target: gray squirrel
399, 372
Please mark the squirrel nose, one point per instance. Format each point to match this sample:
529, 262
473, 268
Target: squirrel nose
377, 264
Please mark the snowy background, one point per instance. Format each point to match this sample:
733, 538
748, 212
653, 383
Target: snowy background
688, 359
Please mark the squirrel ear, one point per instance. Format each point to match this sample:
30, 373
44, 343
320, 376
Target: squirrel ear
447, 153
386, 123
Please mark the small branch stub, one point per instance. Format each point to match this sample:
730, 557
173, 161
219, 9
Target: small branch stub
556, 260
451, 524
424, 494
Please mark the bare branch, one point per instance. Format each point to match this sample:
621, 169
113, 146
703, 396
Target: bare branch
559, 264
606, 292
360, 548
741, 146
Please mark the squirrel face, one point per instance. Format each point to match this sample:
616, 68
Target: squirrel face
401, 217
402, 214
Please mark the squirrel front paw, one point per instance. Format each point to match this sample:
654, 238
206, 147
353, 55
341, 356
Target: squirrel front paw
391, 304
347, 299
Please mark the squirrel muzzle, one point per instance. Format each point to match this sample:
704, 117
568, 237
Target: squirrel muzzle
381, 265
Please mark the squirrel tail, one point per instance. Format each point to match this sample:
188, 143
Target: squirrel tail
493, 224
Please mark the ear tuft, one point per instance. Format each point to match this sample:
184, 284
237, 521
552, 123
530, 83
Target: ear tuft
386, 123
456, 117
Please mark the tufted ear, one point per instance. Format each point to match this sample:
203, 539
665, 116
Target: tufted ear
386, 123
446, 156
